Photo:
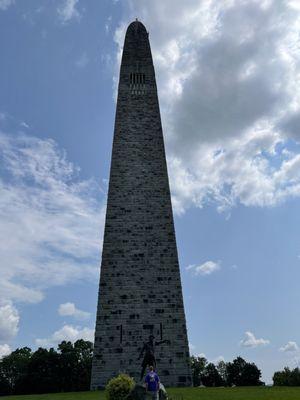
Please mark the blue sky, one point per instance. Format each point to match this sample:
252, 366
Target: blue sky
228, 79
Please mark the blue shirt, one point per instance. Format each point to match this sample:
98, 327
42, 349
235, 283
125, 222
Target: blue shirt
152, 381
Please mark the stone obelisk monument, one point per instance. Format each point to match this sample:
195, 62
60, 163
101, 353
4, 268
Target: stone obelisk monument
140, 295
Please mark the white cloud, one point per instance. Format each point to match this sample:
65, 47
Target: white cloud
195, 354
192, 347
82, 61
107, 25
9, 322
50, 221
206, 268
217, 360
251, 341
24, 125
4, 4
69, 310
243, 171
289, 347
68, 333
68, 11
5, 350
228, 86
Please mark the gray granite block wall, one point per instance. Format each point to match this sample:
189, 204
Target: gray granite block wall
140, 288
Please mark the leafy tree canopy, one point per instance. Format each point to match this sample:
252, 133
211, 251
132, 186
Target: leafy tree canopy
46, 371
238, 373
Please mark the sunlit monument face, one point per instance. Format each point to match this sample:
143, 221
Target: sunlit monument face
140, 308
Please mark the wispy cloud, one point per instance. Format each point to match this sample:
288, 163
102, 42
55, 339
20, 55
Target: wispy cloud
70, 310
50, 221
206, 268
251, 341
82, 61
108, 25
23, 124
4, 4
68, 11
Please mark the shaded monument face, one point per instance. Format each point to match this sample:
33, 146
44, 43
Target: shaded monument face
140, 291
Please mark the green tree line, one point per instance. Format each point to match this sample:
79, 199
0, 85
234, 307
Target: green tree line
67, 369
236, 373
287, 377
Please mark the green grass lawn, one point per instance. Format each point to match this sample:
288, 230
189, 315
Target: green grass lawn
242, 393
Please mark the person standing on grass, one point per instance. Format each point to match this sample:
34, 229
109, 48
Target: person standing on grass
152, 383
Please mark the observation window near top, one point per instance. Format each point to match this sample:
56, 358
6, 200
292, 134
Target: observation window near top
137, 83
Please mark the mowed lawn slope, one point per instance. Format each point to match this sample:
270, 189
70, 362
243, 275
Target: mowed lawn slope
242, 393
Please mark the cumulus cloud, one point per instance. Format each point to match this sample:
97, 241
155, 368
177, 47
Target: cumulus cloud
217, 360
193, 351
227, 77
251, 341
50, 220
4, 4
68, 11
5, 350
9, 322
69, 333
289, 347
70, 310
206, 268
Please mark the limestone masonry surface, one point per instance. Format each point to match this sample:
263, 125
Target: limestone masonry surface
140, 289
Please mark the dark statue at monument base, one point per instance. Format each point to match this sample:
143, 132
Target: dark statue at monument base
149, 357
140, 291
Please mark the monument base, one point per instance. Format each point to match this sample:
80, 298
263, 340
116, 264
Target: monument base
139, 393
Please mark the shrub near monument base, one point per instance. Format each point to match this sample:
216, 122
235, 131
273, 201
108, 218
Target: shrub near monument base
118, 388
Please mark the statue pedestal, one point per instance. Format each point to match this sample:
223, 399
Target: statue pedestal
137, 393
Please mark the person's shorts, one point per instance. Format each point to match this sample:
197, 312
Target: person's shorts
152, 395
